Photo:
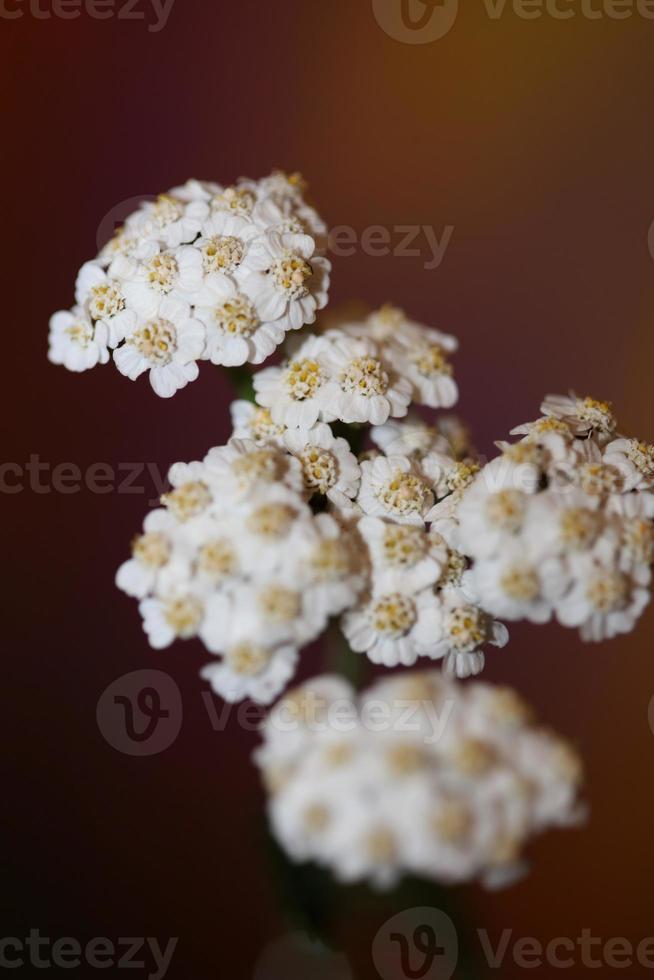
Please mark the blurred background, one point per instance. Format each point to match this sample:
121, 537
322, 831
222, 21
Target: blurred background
531, 141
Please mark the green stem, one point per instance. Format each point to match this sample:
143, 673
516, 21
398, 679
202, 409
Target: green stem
241, 378
343, 661
354, 434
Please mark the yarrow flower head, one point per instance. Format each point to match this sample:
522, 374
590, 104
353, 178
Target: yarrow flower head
550, 526
245, 261
453, 794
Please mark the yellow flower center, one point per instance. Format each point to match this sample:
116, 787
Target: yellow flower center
217, 559
506, 509
183, 615
271, 520
598, 415
106, 300
151, 550
295, 180
330, 560
156, 340
474, 757
549, 424
236, 318
608, 592
524, 452
188, 501
404, 545
80, 333
403, 760
405, 494
262, 426
222, 253
454, 569
319, 467
641, 455
381, 846
290, 274
364, 376
162, 272
461, 476
240, 202
316, 818
521, 584
578, 527
467, 628
259, 465
431, 361
247, 659
452, 822
167, 210
393, 615
598, 479
303, 378
279, 605
391, 316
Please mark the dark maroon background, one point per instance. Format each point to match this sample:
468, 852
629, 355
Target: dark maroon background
532, 138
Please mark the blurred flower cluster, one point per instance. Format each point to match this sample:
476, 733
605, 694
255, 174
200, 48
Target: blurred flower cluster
336, 500
416, 775
204, 272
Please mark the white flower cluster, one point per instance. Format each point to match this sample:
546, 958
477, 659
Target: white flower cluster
238, 559
285, 527
362, 372
417, 775
418, 602
203, 273
560, 524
